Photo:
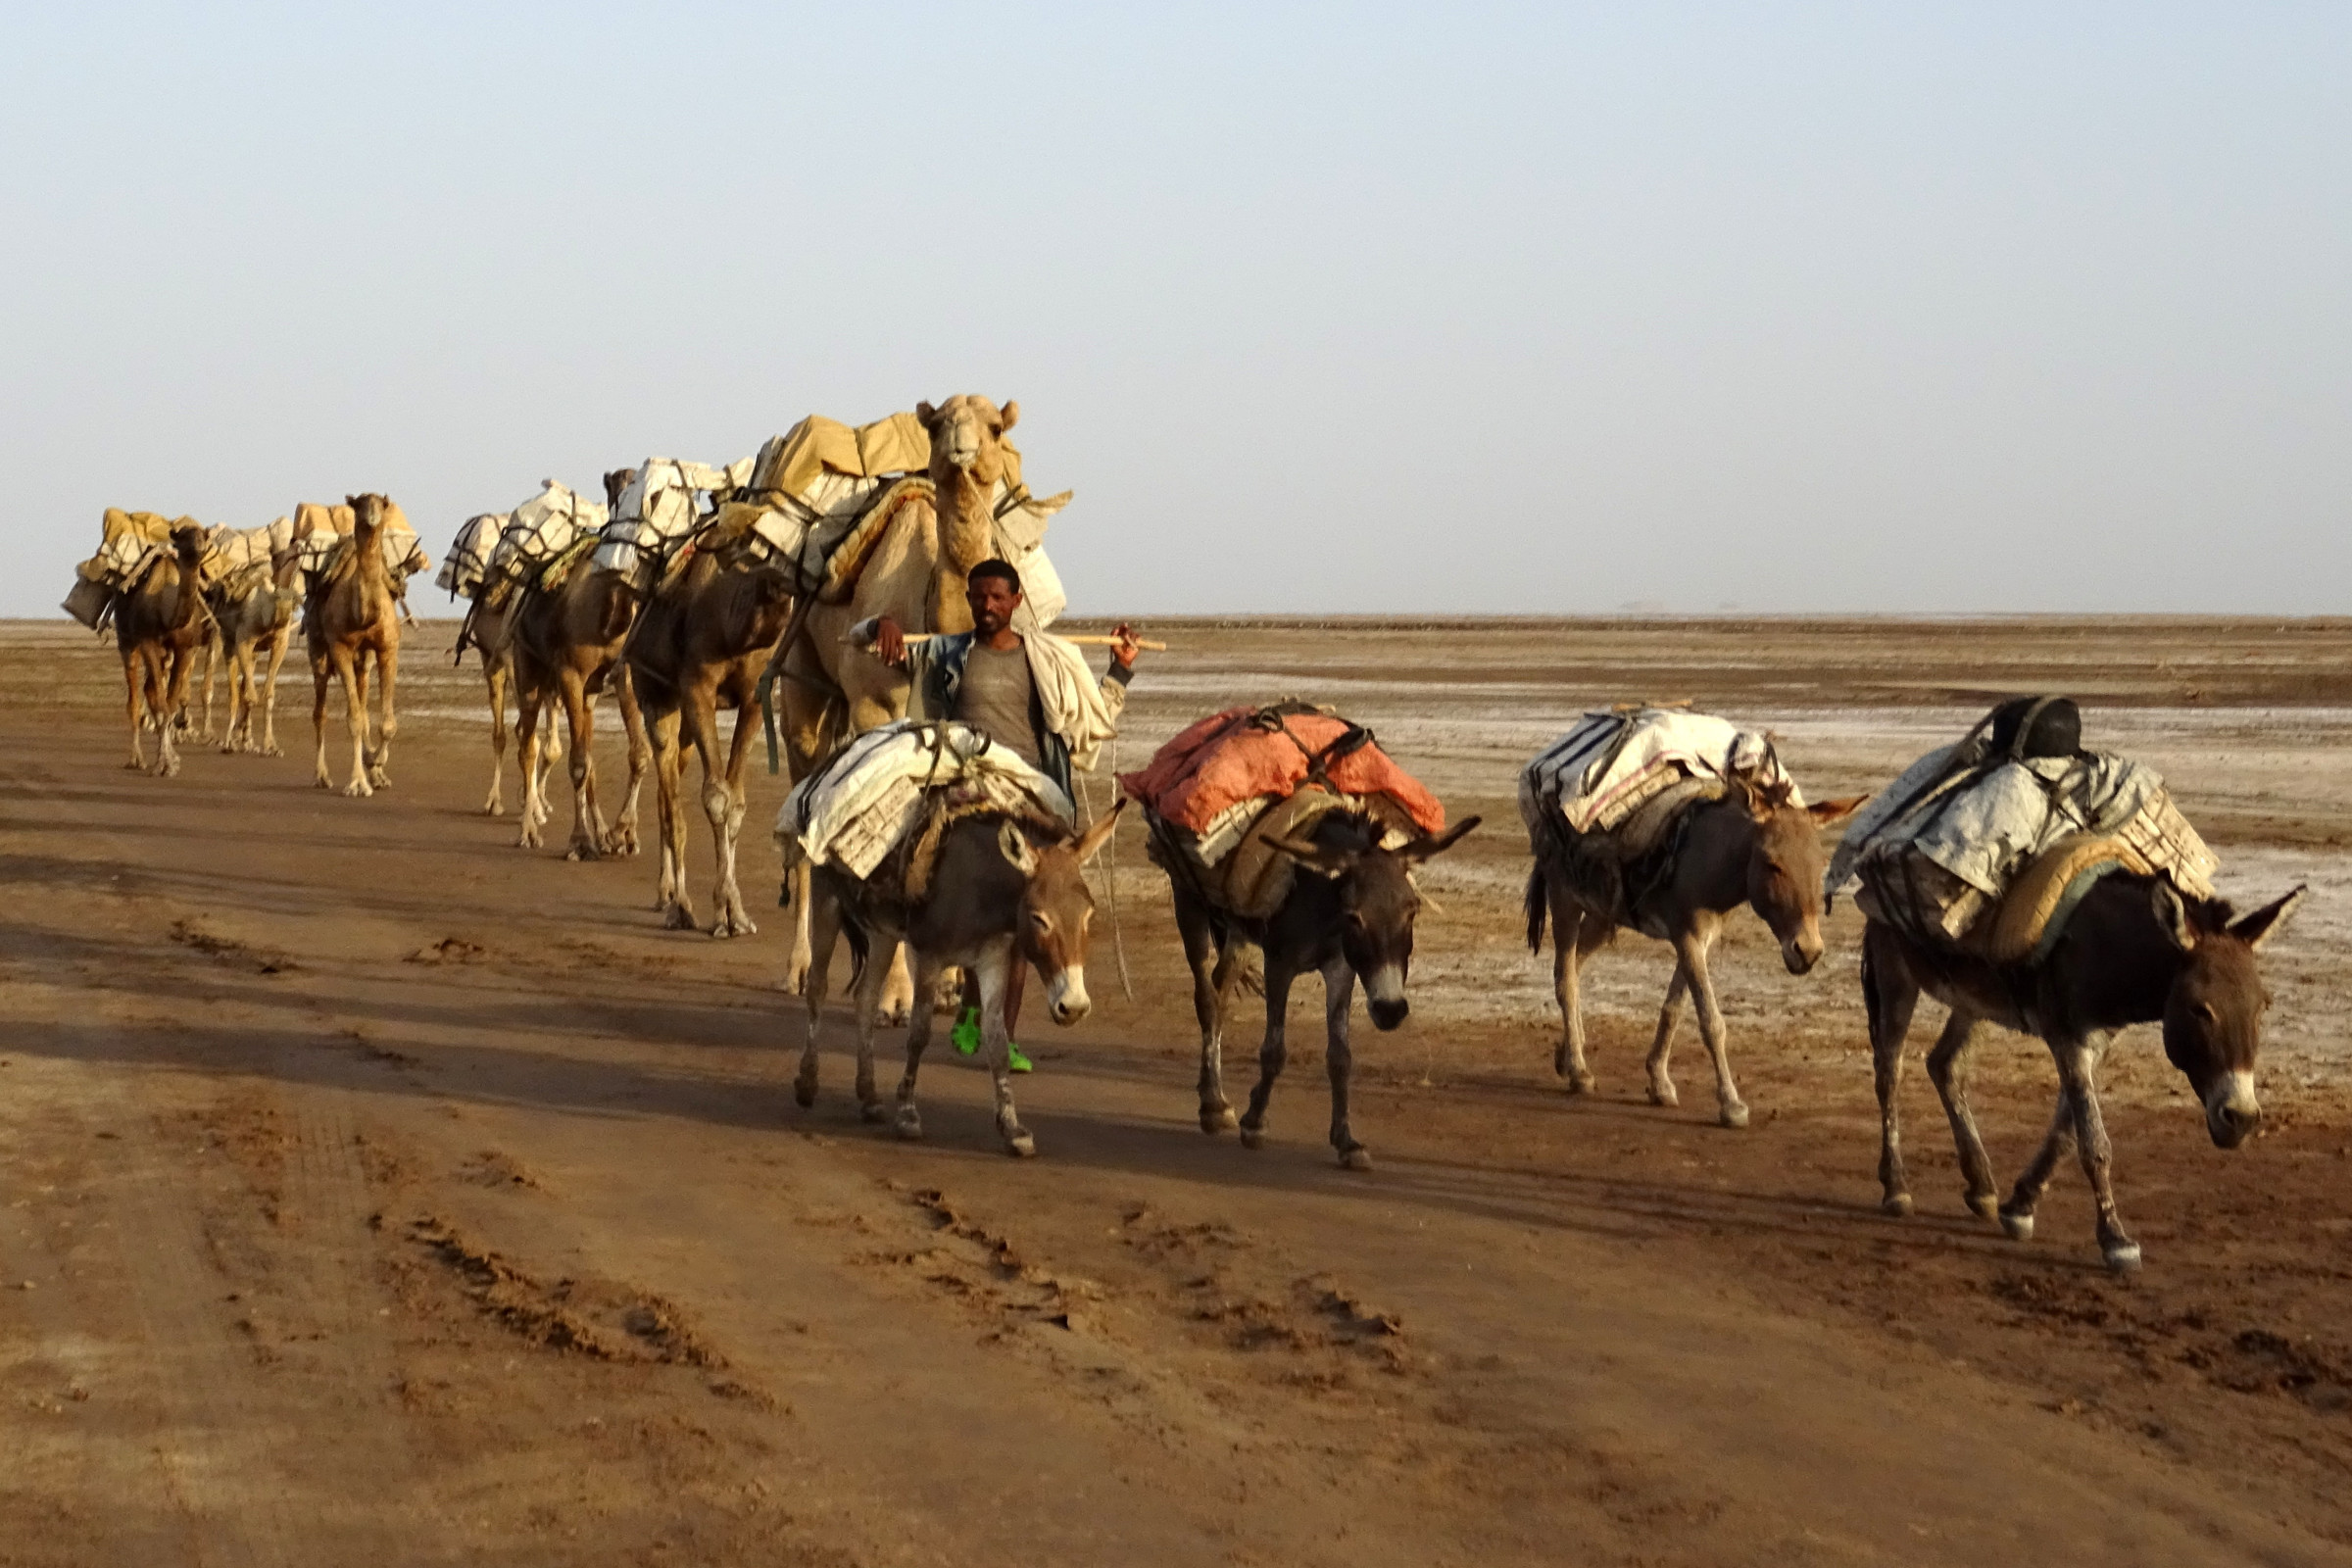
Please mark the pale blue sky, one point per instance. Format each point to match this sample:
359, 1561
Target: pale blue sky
1545, 308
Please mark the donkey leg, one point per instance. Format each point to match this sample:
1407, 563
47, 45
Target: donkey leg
1890, 996
918, 1039
826, 927
1339, 1002
2080, 1065
1271, 1054
1948, 1070
2017, 1214
1659, 1063
1567, 961
869, 1017
1730, 1110
995, 970
1209, 969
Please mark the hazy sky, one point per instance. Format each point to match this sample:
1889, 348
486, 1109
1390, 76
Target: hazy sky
1545, 308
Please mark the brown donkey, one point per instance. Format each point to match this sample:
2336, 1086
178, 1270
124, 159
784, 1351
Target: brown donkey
1003, 894
1754, 847
2133, 952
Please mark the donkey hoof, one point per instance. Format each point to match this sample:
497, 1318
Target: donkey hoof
1357, 1157
1664, 1094
804, 1090
909, 1125
1216, 1119
1895, 1206
1985, 1205
1020, 1146
1253, 1137
873, 1110
2123, 1257
2019, 1226
1733, 1116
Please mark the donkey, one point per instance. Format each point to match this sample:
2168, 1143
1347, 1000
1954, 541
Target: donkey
1000, 895
1350, 918
1754, 846
2133, 952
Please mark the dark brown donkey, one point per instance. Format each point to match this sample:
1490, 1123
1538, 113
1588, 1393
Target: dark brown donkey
1753, 847
1353, 918
1003, 893
2134, 951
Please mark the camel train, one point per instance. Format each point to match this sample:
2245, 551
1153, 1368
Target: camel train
883, 593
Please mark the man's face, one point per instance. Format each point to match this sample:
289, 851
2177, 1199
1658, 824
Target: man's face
993, 601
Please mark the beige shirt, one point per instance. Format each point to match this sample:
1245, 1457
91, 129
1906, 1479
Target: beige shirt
996, 699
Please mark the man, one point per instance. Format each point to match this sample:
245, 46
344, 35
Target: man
1031, 694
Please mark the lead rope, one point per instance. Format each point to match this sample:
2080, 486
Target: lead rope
1110, 874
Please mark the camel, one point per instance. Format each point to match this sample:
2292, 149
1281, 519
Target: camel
251, 610
1754, 847
566, 645
916, 577
353, 616
159, 622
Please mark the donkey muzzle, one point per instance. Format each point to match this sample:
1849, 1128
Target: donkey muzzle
2231, 1112
1800, 956
1066, 1001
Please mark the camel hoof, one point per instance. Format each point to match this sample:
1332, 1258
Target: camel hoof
494, 808
2019, 1226
872, 1111
1895, 1206
2123, 1257
909, 1125
1985, 1205
1356, 1158
273, 751
1664, 1094
1253, 1137
1734, 1116
1020, 1146
356, 789
580, 852
1216, 1119
677, 918
1580, 1083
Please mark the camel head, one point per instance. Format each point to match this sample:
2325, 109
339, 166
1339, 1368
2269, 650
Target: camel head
366, 513
967, 437
189, 541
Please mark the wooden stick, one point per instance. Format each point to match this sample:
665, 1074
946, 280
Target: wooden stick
1088, 639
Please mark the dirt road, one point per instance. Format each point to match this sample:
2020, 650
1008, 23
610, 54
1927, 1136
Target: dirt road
372, 1191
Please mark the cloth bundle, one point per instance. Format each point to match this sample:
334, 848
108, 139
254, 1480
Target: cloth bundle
655, 514
543, 528
468, 559
1604, 770
129, 543
1989, 853
877, 794
229, 551
320, 532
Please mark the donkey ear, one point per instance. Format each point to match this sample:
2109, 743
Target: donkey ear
2264, 923
1829, 814
1100, 834
1314, 858
1422, 849
1010, 415
1015, 846
2172, 915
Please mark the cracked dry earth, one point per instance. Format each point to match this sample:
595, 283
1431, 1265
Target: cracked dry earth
372, 1191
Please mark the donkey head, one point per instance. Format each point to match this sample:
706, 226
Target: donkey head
1377, 899
1056, 909
1785, 863
2213, 1010
967, 432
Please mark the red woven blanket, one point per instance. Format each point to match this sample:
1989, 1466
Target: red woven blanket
1225, 759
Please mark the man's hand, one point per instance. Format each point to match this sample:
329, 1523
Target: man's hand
1124, 647
890, 642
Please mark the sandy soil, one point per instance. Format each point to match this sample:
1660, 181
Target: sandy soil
375, 1191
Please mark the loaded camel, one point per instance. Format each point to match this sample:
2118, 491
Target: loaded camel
255, 610
2134, 951
566, 645
353, 617
915, 576
1754, 846
159, 622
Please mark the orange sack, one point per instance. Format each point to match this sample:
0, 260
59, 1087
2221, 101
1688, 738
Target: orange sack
1246, 754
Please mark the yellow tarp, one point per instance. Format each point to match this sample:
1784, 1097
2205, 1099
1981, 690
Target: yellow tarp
792, 462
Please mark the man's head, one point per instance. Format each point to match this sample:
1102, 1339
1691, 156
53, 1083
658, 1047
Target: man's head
994, 591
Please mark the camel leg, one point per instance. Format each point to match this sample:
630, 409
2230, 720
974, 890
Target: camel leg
1271, 1054
1890, 996
799, 889
527, 755
277, 657
587, 823
211, 652
898, 987
134, 681
622, 840
168, 693
995, 970
1567, 959
321, 674
379, 761
240, 698
918, 1040
1212, 977
670, 780
1948, 1070
494, 676
1658, 1064
724, 804
353, 676
1338, 1001
828, 931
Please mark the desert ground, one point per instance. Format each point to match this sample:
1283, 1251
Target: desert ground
373, 1190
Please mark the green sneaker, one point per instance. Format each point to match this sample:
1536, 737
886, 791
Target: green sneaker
967, 1033
1014, 1060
